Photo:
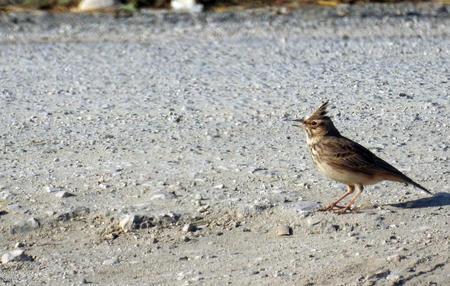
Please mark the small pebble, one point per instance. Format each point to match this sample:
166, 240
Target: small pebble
19, 245
162, 196
189, 227
395, 258
111, 261
104, 185
313, 221
366, 206
63, 194
306, 206
203, 209
284, 230
52, 189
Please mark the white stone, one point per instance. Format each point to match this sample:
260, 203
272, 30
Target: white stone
186, 6
14, 256
284, 230
86, 5
18, 245
104, 185
188, 227
126, 222
203, 209
162, 196
63, 194
313, 220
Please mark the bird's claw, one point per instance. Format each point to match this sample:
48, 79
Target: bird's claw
330, 208
339, 210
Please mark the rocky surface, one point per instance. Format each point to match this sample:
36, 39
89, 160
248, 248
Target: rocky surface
158, 149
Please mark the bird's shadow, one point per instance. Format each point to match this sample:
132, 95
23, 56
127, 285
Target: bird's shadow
437, 200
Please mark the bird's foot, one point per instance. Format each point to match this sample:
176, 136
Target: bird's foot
341, 211
330, 208
345, 209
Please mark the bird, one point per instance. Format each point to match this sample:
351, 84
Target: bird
344, 160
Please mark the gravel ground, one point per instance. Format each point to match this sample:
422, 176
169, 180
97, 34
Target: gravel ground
157, 149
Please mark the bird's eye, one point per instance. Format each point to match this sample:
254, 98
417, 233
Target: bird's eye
313, 123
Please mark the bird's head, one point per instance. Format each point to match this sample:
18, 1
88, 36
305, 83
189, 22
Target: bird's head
318, 124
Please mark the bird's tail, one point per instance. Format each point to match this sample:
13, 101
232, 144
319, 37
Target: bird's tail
400, 177
419, 186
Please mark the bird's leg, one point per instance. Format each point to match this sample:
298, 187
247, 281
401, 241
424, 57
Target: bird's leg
350, 189
359, 189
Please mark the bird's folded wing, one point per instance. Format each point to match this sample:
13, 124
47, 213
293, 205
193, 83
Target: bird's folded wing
347, 154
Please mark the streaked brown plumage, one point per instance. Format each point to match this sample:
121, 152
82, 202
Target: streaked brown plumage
344, 160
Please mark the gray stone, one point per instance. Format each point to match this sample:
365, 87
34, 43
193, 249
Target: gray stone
77, 212
163, 196
52, 189
4, 195
16, 208
25, 225
167, 219
306, 206
111, 261
378, 274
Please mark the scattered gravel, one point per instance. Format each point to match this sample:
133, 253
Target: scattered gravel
173, 134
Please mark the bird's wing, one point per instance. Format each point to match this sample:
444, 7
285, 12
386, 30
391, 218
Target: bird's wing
347, 154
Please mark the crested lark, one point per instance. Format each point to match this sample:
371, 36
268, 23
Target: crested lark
345, 161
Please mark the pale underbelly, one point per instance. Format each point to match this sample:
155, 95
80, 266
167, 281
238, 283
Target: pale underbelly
347, 177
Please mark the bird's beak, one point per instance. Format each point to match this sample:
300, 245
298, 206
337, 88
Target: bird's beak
299, 125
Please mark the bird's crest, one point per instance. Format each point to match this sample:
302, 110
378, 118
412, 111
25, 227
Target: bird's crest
321, 112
